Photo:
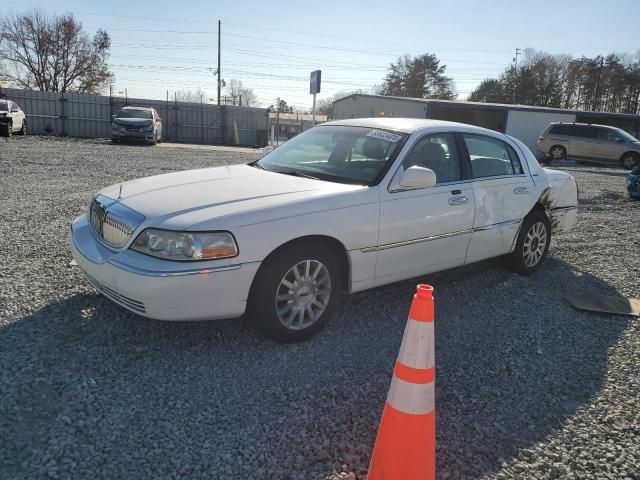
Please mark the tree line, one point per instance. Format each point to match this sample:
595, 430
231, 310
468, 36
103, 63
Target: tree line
608, 83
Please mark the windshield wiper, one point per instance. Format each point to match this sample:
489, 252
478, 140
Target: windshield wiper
295, 173
257, 165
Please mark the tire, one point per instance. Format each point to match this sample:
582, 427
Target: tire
532, 244
23, 130
276, 290
630, 160
115, 140
9, 131
557, 152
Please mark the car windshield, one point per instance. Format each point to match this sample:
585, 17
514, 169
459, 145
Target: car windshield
343, 154
133, 113
627, 137
4, 106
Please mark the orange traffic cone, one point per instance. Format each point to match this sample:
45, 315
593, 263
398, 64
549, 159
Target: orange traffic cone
405, 447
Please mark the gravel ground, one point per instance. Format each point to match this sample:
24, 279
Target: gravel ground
527, 387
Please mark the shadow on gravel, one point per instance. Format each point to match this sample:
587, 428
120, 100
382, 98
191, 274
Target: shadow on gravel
88, 388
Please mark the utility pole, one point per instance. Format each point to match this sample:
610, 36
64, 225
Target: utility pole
515, 76
219, 72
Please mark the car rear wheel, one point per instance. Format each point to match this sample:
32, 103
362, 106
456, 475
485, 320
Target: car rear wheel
532, 244
630, 160
557, 152
295, 292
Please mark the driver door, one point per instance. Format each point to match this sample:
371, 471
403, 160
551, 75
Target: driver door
426, 230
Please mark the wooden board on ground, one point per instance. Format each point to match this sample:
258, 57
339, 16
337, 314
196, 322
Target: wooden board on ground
605, 304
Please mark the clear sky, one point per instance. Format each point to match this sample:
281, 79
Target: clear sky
271, 46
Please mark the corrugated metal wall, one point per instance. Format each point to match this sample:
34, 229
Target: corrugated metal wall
89, 116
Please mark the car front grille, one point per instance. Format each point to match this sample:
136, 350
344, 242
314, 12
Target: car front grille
112, 221
133, 305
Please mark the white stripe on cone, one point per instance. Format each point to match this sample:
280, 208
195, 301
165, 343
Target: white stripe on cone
417, 349
412, 398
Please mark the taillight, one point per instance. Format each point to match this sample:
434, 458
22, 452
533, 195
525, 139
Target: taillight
541, 139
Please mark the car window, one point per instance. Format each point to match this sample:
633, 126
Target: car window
560, 130
491, 157
608, 135
585, 132
4, 106
439, 153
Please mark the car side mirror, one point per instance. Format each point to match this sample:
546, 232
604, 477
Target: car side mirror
267, 149
14, 110
158, 120
113, 117
417, 177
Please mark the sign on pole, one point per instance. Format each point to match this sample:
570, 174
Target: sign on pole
315, 82
314, 87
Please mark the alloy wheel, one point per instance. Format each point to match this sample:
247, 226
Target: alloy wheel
557, 153
629, 162
303, 294
535, 244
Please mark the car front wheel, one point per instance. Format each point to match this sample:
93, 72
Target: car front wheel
630, 160
532, 244
295, 292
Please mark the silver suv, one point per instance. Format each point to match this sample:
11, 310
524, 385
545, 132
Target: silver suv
589, 143
137, 123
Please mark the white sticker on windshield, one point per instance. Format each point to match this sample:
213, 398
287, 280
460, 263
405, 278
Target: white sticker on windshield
382, 135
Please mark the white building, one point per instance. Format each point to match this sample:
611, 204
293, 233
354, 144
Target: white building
520, 121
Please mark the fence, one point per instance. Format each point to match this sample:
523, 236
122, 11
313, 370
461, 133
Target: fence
89, 116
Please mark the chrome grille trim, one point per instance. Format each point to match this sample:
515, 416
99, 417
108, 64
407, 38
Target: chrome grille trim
133, 305
113, 222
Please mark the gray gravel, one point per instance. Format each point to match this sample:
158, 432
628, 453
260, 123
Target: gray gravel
527, 387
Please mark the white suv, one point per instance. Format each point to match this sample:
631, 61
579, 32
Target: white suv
12, 119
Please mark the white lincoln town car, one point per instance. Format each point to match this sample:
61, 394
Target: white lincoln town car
343, 207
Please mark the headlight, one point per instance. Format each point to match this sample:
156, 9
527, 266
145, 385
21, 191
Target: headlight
184, 246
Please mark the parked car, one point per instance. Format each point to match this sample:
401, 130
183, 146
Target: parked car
137, 123
343, 207
12, 119
591, 143
633, 183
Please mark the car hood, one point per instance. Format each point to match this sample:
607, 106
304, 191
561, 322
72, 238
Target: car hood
231, 195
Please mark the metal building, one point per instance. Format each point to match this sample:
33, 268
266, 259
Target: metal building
520, 121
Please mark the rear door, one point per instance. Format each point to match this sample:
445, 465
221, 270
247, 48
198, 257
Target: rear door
503, 193
426, 230
582, 141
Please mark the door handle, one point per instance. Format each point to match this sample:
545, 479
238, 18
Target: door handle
521, 190
458, 200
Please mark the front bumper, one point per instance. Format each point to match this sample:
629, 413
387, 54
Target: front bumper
162, 289
148, 136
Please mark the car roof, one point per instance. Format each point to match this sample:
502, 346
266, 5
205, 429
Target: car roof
407, 125
578, 124
131, 107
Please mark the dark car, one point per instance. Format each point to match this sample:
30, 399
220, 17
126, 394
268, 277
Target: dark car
137, 123
633, 183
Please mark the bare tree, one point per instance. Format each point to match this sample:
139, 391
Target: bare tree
53, 53
240, 95
194, 96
